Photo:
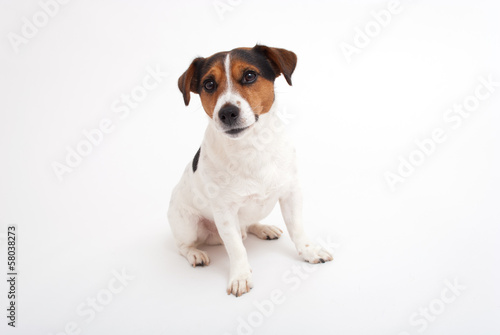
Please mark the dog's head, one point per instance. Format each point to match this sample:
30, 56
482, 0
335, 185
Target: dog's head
237, 86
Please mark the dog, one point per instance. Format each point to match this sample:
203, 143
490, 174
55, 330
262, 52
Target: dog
245, 164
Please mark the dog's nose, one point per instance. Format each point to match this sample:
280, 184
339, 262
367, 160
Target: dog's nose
229, 114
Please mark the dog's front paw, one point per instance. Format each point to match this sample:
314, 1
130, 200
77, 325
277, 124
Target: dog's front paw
313, 253
240, 284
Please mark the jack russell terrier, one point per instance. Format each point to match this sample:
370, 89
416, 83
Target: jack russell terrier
245, 164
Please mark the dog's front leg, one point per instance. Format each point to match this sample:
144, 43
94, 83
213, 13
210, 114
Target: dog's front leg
240, 274
291, 209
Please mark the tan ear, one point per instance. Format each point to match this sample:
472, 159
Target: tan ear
188, 82
282, 61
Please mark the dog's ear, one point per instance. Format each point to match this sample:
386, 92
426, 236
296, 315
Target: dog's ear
188, 82
282, 61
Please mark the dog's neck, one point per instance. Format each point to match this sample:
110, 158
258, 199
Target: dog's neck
265, 138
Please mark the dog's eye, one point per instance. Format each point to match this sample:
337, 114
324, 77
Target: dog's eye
249, 77
209, 85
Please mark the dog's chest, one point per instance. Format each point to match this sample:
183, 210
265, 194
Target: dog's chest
259, 184
258, 198
251, 174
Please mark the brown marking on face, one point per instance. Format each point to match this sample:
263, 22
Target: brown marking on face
268, 63
209, 100
259, 94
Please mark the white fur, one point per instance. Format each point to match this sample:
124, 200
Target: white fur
237, 184
247, 115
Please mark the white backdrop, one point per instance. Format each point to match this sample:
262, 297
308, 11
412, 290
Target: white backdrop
394, 110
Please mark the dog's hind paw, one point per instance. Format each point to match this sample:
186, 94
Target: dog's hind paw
265, 232
197, 257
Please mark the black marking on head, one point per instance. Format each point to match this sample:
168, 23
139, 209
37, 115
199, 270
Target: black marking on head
257, 59
282, 61
196, 159
270, 62
256, 117
251, 56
